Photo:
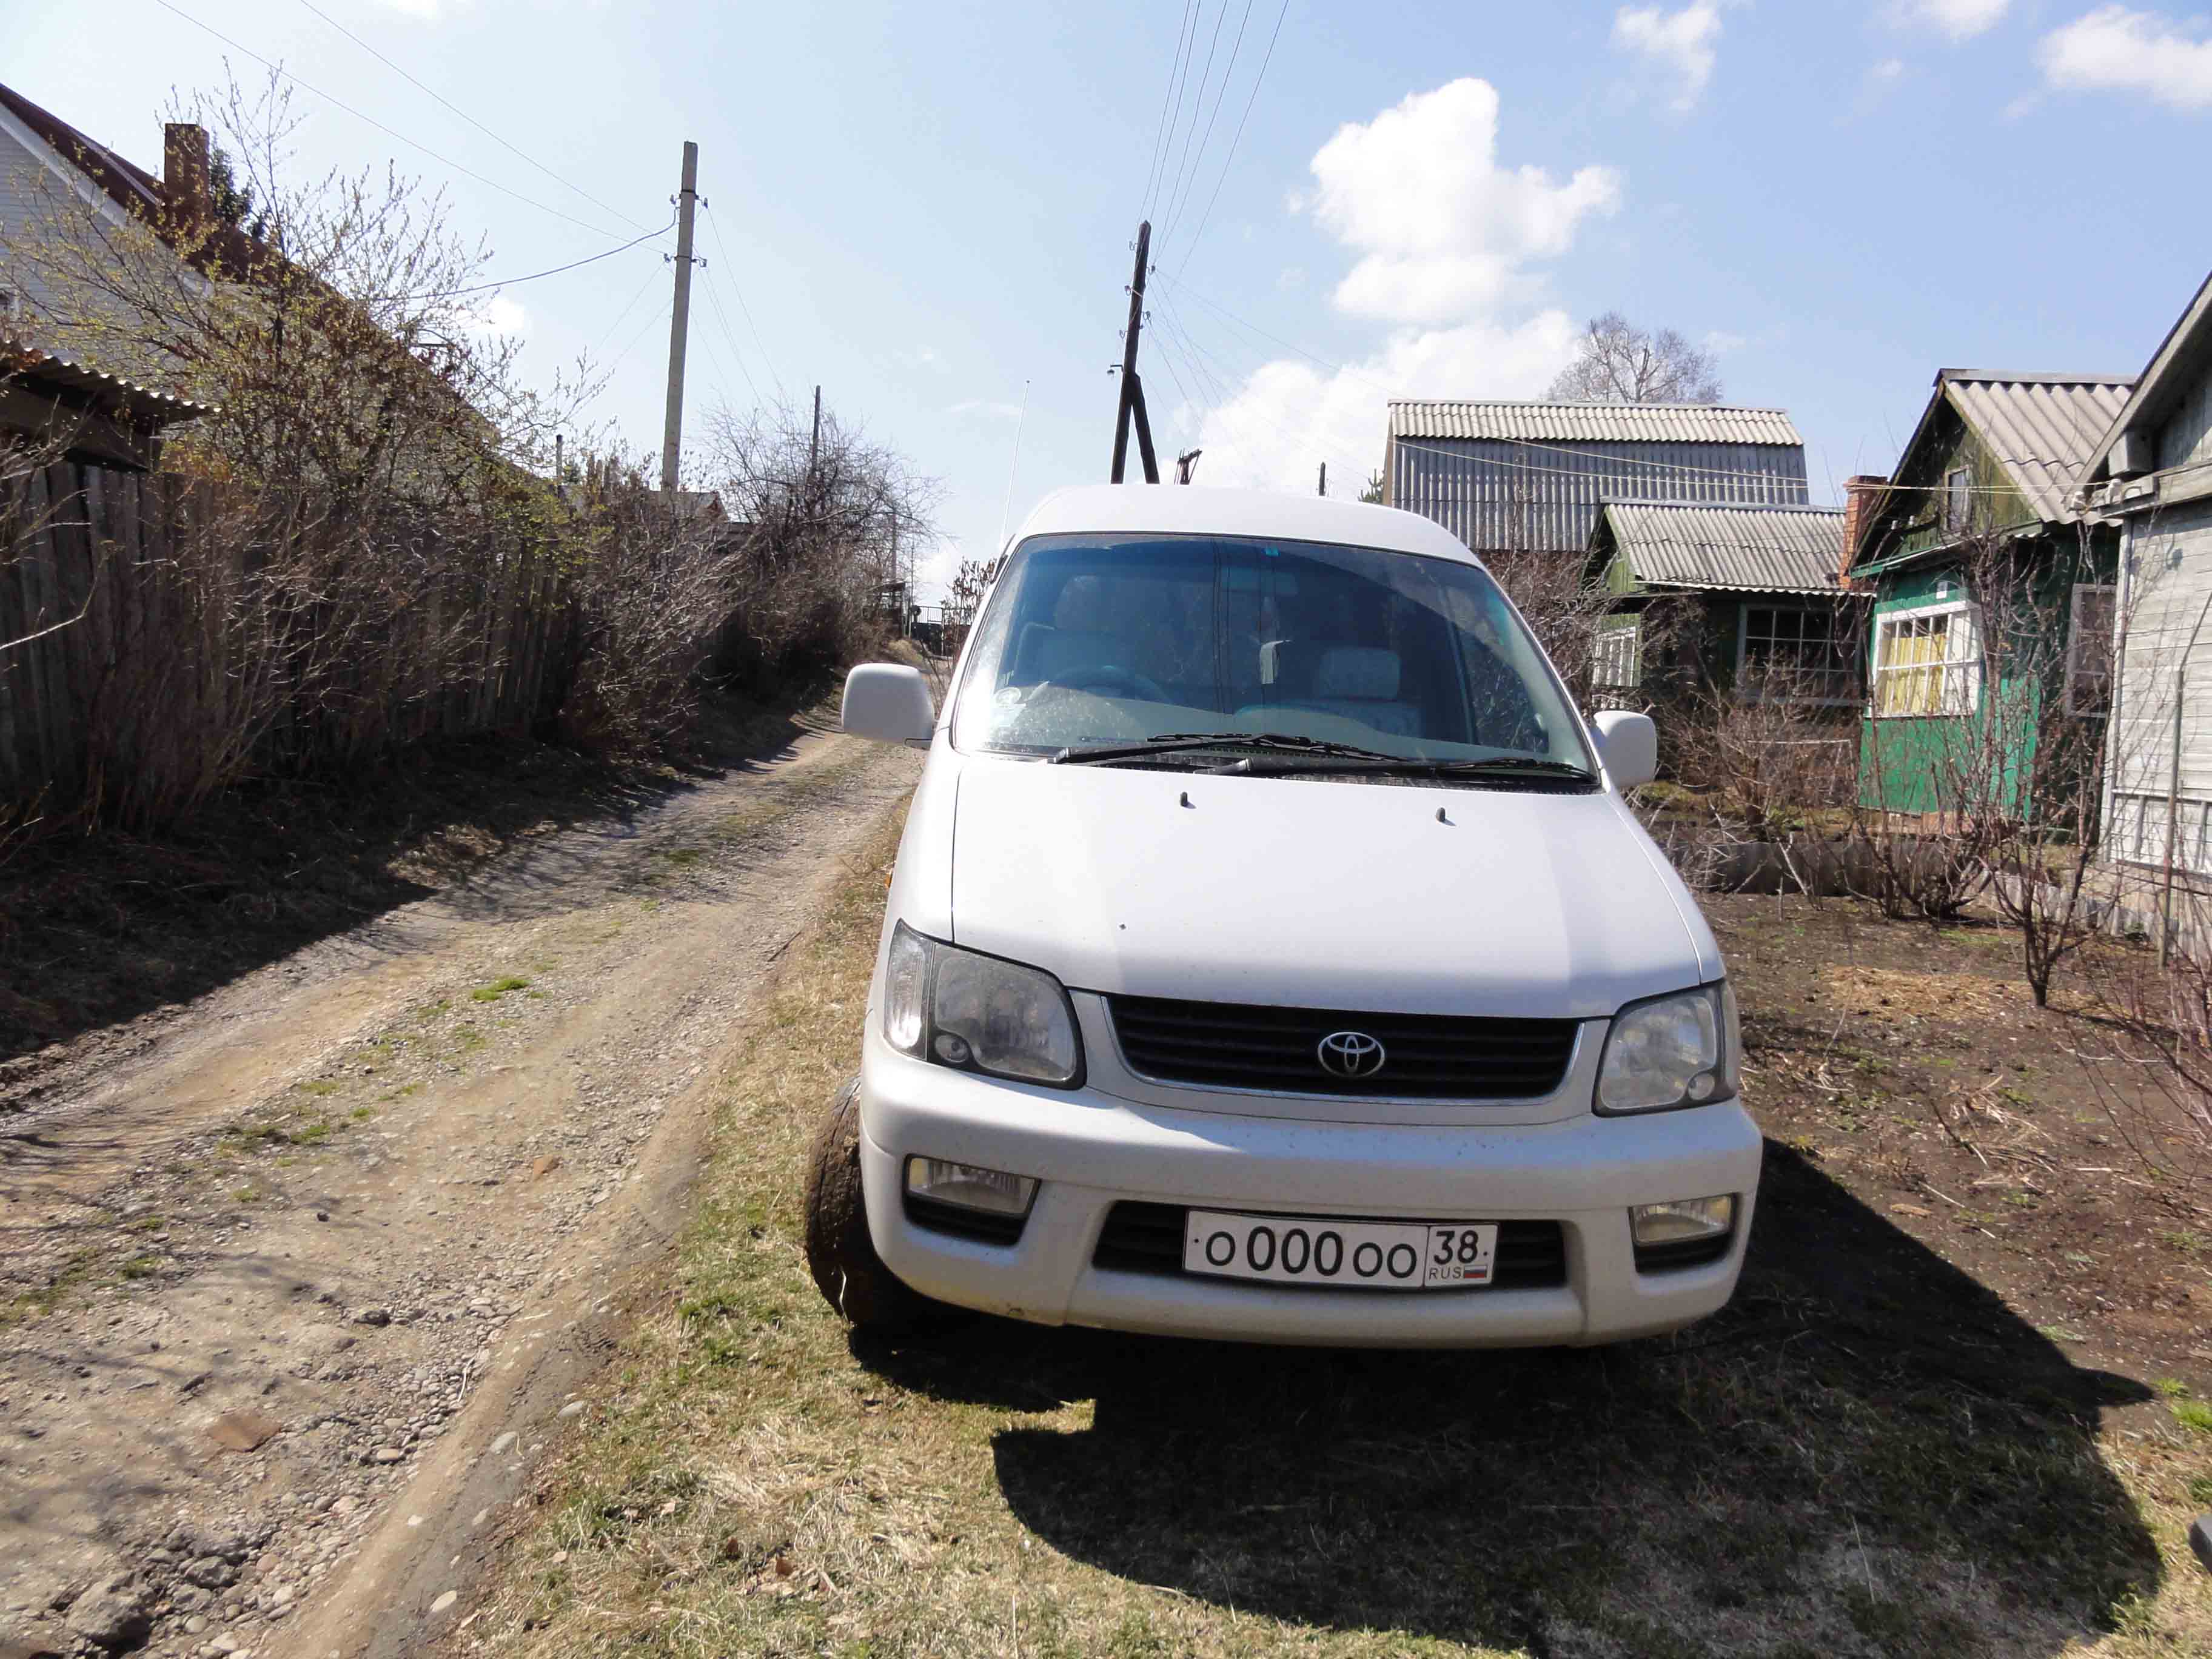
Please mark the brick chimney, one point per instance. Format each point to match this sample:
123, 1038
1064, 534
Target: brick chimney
184, 172
1860, 496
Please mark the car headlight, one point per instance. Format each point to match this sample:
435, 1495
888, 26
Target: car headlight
1677, 1050
979, 1013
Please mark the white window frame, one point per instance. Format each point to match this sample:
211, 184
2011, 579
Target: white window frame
2075, 639
1961, 667
1608, 670
1843, 673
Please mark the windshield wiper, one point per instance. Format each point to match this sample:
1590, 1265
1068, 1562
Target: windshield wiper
1495, 765
1170, 743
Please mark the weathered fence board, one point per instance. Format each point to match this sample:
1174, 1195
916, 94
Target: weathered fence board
146, 655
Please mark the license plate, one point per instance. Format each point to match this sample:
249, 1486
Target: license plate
1381, 1256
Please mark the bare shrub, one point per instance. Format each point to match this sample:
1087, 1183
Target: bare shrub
823, 530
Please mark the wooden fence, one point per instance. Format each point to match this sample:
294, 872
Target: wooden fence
155, 644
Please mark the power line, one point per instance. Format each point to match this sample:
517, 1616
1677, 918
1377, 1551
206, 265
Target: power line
1162, 132
1159, 130
1175, 120
729, 335
626, 310
1206, 217
738, 293
1203, 74
392, 132
559, 179
1183, 190
660, 316
510, 282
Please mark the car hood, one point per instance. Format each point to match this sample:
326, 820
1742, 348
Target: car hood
1304, 893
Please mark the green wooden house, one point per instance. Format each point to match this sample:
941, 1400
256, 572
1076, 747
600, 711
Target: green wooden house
1721, 596
1992, 592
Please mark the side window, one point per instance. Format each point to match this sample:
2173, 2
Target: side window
1957, 501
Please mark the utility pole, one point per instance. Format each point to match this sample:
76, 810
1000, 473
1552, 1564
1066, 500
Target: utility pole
679, 320
814, 445
1324, 479
1133, 391
1187, 465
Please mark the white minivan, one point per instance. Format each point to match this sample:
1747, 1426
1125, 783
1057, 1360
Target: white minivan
1272, 957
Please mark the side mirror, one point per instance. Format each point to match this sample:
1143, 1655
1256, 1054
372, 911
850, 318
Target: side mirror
1629, 746
889, 702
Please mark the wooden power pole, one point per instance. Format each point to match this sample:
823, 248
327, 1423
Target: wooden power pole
1132, 406
679, 320
1323, 490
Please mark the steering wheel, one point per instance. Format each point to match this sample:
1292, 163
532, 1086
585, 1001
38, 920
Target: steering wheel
1106, 677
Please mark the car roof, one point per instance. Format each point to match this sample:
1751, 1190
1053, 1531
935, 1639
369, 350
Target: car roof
1187, 509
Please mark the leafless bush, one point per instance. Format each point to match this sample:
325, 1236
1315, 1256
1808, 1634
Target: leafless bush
826, 529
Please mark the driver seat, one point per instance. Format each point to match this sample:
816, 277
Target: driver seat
1046, 652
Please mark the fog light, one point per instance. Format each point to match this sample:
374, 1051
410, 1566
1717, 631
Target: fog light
952, 1049
969, 1187
1683, 1220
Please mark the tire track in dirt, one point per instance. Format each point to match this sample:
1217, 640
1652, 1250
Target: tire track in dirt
383, 1193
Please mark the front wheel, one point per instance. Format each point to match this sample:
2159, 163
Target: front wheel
841, 1255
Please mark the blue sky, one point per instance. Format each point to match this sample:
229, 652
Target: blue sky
926, 207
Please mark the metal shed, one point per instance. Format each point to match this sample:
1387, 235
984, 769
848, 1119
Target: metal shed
1531, 477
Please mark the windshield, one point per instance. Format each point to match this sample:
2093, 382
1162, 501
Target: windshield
1104, 640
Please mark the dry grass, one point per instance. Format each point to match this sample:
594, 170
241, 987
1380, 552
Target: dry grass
1810, 1473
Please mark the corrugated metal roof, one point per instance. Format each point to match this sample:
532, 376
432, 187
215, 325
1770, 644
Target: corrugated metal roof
1543, 422
142, 403
1770, 550
2043, 428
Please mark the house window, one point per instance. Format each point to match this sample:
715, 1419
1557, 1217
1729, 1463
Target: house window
1957, 500
2089, 650
1788, 653
1617, 660
1927, 661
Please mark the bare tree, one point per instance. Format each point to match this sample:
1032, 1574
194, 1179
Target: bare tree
823, 532
1617, 362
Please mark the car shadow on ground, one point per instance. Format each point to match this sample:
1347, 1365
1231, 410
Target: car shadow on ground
1868, 1452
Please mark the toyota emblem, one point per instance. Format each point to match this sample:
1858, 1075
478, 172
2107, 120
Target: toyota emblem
1350, 1054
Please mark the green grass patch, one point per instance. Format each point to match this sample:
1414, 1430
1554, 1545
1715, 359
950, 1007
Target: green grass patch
2192, 1414
498, 988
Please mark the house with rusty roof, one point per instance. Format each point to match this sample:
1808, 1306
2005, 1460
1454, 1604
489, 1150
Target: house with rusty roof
1530, 477
1994, 467
1718, 596
46, 164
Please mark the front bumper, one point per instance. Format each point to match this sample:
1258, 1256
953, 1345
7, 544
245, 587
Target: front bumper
1091, 1149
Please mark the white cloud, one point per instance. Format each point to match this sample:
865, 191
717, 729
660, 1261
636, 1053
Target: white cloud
1889, 69
1291, 276
995, 411
1445, 243
1678, 46
1290, 416
1720, 342
500, 315
921, 357
2113, 49
1442, 229
1961, 19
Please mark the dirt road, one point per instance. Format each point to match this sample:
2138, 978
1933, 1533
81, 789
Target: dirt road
299, 1288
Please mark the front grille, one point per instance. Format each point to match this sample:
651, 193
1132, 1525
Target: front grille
1147, 1238
984, 1226
1226, 1045
1681, 1253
